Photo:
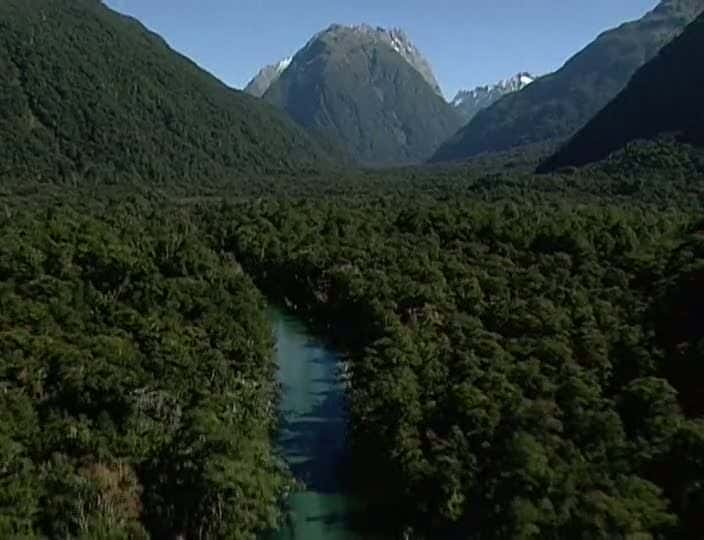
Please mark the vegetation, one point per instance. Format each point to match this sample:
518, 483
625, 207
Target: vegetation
92, 96
525, 351
666, 89
136, 393
516, 368
554, 107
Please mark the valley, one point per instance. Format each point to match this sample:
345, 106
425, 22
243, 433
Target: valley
338, 304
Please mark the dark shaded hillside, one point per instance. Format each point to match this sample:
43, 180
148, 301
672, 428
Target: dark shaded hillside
85, 92
556, 106
348, 85
663, 97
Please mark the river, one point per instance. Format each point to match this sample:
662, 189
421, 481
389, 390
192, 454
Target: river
312, 437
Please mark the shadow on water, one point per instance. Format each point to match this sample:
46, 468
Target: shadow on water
313, 436
315, 444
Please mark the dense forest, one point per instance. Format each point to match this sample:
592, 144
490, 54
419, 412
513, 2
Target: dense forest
524, 351
515, 369
136, 394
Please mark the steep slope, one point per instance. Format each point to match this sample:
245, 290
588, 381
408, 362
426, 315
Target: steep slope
349, 84
261, 82
556, 106
664, 96
469, 102
400, 42
394, 37
86, 92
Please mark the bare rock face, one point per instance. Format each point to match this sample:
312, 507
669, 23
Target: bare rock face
399, 41
368, 89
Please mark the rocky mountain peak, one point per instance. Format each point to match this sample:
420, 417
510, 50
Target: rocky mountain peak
469, 102
368, 89
396, 38
266, 76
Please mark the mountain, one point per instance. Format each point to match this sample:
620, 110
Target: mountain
469, 102
365, 88
399, 41
395, 37
87, 92
258, 86
554, 107
664, 97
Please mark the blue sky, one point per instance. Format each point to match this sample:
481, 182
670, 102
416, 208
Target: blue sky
468, 42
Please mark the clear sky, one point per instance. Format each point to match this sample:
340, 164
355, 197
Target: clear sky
468, 42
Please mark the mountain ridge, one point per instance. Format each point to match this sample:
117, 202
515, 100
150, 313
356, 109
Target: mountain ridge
554, 107
266, 76
662, 98
395, 37
91, 92
470, 102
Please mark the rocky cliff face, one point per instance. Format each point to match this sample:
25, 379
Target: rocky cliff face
364, 87
400, 42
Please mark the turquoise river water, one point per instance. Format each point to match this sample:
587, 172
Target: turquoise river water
313, 433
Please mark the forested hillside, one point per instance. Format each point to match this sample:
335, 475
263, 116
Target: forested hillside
664, 97
90, 95
523, 352
555, 106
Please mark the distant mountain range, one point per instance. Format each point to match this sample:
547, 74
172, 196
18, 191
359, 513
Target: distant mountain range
555, 106
90, 93
664, 97
469, 102
370, 92
367, 88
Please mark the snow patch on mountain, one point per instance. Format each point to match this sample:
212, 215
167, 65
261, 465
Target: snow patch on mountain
401, 43
267, 76
469, 102
394, 37
281, 66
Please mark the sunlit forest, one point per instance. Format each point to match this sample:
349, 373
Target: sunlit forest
520, 355
524, 350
